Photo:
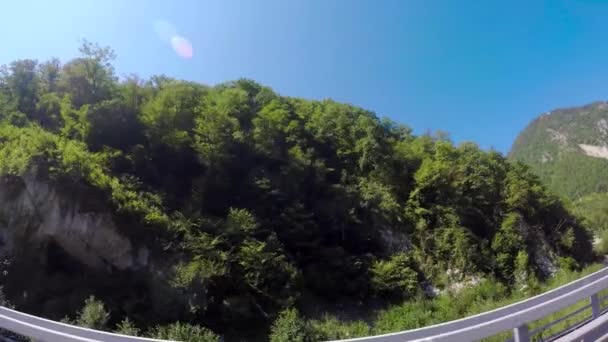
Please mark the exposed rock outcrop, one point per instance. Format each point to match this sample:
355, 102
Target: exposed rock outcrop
36, 213
595, 151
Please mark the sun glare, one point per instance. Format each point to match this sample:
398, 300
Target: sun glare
168, 34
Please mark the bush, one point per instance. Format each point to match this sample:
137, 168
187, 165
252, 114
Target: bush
93, 315
406, 316
126, 327
568, 264
289, 327
395, 276
602, 246
330, 328
184, 332
410, 315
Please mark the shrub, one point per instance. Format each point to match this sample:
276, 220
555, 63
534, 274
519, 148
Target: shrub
395, 276
184, 332
93, 315
568, 264
126, 327
602, 246
406, 316
289, 327
423, 312
330, 328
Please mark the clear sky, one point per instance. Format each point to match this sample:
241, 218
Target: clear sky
478, 69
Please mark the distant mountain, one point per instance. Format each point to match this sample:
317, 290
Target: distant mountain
568, 149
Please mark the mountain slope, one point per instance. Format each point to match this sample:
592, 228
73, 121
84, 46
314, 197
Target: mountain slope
568, 149
222, 206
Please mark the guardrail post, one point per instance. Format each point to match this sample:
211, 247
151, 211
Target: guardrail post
521, 334
595, 306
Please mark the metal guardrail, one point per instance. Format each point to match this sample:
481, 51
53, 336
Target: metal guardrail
515, 317
593, 331
45, 330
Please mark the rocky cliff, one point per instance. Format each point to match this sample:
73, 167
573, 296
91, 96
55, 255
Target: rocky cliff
35, 213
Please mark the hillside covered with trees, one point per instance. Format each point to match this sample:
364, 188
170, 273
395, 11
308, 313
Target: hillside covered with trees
567, 148
250, 203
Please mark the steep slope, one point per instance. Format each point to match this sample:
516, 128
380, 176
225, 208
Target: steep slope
221, 206
568, 149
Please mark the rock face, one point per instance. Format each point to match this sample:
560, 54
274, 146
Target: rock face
595, 151
35, 213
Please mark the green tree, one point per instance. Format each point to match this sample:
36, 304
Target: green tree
113, 123
24, 84
218, 128
48, 112
49, 73
169, 117
90, 78
75, 123
93, 315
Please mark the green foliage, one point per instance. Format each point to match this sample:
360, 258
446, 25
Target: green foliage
48, 111
330, 328
267, 271
184, 332
76, 125
217, 128
507, 244
90, 78
593, 209
409, 315
93, 315
395, 276
602, 246
114, 124
24, 85
240, 222
169, 117
21, 146
288, 327
126, 327
485, 296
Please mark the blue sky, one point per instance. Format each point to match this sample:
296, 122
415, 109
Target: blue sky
478, 69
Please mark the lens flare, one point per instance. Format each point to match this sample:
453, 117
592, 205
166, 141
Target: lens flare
168, 34
182, 46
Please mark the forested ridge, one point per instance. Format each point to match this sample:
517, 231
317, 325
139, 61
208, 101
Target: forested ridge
567, 149
559, 147
252, 203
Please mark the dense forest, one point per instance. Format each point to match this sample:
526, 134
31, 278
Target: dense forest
253, 205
